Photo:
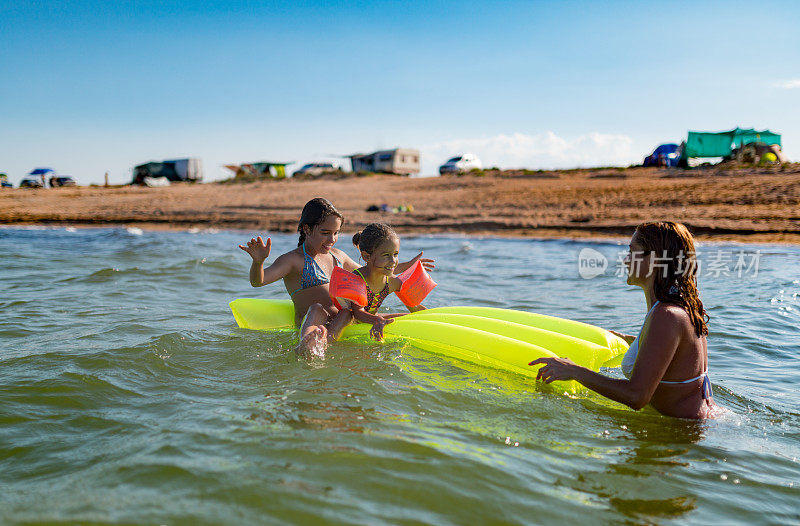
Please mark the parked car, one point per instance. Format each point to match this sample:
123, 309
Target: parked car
63, 180
664, 155
461, 164
315, 169
31, 182
4, 181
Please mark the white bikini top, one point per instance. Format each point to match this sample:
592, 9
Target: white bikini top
633, 351
629, 360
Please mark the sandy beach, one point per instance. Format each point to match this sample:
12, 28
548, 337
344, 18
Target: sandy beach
748, 205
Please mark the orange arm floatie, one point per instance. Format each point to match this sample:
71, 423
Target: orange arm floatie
346, 287
417, 284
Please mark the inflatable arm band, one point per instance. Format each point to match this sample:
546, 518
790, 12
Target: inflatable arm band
346, 287
417, 284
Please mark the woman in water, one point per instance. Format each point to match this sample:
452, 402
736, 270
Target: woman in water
667, 363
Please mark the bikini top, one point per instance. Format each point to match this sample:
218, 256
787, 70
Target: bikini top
313, 275
631, 354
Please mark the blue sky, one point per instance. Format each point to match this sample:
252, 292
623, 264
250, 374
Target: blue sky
90, 87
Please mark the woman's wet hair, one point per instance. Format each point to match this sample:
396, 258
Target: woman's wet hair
314, 213
675, 268
373, 235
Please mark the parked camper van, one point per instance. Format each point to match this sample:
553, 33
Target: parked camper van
190, 170
401, 161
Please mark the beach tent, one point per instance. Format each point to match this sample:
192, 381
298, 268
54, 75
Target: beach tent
709, 144
261, 169
174, 170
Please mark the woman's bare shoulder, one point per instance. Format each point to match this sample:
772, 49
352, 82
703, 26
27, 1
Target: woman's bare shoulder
672, 314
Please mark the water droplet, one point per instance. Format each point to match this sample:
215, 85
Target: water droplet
735, 481
508, 440
623, 426
723, 477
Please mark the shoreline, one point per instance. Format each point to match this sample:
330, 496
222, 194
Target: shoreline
750, 206
537, 234
755, 239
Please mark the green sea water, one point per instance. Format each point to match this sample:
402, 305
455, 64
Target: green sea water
128, 395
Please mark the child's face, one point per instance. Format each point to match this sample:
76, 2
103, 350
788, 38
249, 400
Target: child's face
384, 258
323, 236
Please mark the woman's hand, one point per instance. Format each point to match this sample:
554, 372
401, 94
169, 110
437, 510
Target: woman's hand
555, 369
627, 337
377, 328
257, 249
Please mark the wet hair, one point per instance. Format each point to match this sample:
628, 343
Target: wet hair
314, 213
676, 270
373, 235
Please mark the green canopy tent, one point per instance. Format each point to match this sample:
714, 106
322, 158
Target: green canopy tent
706, 144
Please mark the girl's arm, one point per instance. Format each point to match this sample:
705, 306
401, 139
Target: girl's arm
259, 251
347, 262
363, 316
426, 262
349, 265
394, 286
260, 276
378, 322
660, 338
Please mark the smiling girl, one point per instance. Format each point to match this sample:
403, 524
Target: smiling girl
379, 246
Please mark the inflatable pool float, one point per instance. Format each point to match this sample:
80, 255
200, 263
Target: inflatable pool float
500, 338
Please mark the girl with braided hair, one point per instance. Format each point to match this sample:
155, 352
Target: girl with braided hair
667, 363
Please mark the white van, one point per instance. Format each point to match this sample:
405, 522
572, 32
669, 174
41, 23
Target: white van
461, 164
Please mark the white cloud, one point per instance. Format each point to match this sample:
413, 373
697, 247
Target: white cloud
788, 84
542, 151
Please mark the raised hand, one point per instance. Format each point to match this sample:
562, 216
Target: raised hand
257, 249
427, 263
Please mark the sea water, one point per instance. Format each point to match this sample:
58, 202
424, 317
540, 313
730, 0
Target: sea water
128, 394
